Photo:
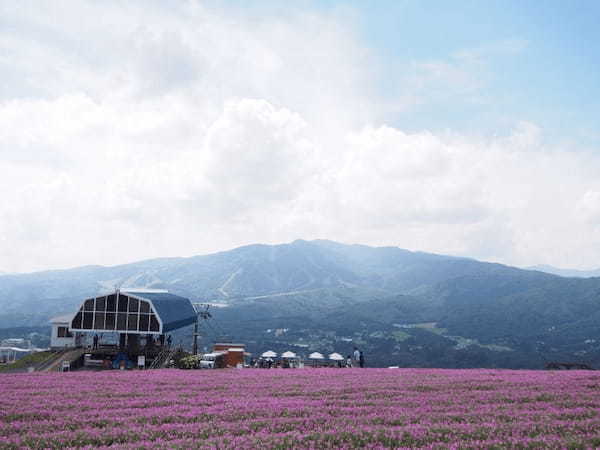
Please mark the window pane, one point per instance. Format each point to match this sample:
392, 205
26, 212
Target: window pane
132, 323
111, 302
99, 321
153, 323
133, 304
88, 319
76, 323
110, 321
121, 321
144, 322
144, 307
89, 305
122, 303
101, 304
64, 332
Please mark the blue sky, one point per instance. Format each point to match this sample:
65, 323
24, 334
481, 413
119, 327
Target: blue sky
551, 77
179, 128
540, 61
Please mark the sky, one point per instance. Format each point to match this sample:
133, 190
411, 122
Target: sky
144, 129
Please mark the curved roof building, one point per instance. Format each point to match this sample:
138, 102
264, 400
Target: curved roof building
134, 312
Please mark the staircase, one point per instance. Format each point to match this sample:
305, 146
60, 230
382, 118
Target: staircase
41, 367
163, 358
54, 364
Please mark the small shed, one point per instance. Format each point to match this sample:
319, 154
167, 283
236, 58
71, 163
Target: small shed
61, 336
234, 353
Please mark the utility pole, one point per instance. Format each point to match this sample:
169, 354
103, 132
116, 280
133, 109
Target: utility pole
202, 313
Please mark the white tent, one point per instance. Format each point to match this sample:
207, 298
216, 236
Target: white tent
288, 355
269, 354
336, 357
316, 355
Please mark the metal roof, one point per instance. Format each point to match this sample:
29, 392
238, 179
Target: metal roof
174, 311
65, 318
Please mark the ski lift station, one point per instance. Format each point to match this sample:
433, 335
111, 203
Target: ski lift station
136, 319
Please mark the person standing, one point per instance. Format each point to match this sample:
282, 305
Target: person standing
169, 340
356, 356
361, 359
95, 347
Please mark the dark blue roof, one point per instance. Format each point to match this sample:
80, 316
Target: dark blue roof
174, 311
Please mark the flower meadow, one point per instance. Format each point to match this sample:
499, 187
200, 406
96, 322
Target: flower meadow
302, 408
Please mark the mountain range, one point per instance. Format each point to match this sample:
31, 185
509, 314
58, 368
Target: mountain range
400, 307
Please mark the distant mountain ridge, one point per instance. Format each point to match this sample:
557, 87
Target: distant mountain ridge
256, 269
575, 273
401, 307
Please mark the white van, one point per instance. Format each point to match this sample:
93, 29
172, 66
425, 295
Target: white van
212, 360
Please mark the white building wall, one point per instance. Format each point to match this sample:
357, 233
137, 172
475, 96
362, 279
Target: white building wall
60, 342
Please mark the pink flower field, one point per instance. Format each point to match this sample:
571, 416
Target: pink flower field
310, 408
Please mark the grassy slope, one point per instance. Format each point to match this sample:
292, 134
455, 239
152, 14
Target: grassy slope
27, 361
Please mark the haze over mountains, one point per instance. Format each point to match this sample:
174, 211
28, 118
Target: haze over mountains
566, 272
400, 307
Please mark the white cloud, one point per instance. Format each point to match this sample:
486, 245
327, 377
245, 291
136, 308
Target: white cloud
588, 207
134, 131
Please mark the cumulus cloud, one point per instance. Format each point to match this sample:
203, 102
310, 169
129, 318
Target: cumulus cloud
131, 131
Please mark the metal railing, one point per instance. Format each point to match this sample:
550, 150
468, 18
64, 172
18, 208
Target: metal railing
50, 361
163, 358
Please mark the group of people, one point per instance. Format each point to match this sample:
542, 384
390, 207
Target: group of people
270, 363
162, 340
149, 341
356, 359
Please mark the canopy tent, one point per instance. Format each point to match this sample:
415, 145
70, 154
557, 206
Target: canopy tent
336, 357
269, 354
316, 355
288, 355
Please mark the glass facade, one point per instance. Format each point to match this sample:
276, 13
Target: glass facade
116, 312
